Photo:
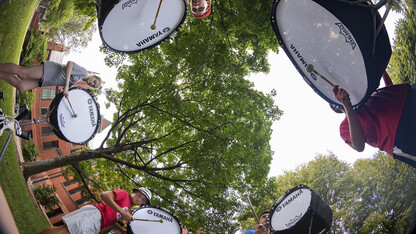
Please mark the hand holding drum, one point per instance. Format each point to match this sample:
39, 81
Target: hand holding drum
311, 69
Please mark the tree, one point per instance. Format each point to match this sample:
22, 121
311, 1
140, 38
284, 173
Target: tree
383, 201
402, 67
59, 12
76, 33
325, 175
189, 125
373, 195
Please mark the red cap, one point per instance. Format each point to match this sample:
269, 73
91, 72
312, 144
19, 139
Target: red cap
204, 15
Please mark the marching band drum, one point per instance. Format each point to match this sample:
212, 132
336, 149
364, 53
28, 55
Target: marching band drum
76, 120
337, 38
300, 210
154, 219
132, 26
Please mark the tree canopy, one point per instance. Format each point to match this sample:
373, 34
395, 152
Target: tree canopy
189, 125
372, 195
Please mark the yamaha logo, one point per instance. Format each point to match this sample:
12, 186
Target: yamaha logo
128, 3
348, 37
150, 212
89, 101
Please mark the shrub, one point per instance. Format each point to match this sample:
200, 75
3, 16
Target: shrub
26, 98
34, 48
45, 195
30, 152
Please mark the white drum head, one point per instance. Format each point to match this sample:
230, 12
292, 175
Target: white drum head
81, 128
320, 39
127, 27
291, 209
170, 224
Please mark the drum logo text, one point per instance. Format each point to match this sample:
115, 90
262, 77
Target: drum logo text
128, 4
288, 201
294, 220
161, 216
153, 36
348, 37
62, 120
92, 115
298, 55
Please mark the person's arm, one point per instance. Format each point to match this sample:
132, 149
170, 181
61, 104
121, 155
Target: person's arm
69, 67
109, 199
356, 131
387, 80
261, 229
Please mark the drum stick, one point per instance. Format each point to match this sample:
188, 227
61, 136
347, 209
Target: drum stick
150, 220
251, 207
153, 26
310, 69
74, 115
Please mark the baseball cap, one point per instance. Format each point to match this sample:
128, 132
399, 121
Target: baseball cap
145, 192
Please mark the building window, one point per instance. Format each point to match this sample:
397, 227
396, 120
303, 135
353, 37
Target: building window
46, 131
70, 183
74, 191
44, 111
82, 201
55, 213
48, 94
49, 145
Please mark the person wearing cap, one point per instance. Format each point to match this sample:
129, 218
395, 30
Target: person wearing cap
116, 205
200, 8
262, 227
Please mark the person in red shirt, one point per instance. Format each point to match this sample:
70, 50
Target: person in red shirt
386, 121
116, 205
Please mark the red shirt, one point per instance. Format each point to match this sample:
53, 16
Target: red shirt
110, 216
379, 117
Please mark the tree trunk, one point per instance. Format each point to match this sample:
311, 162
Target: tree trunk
31, 168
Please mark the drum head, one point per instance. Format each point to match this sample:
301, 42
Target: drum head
80, 129
126, 26
337, 39
300, 210
169, 225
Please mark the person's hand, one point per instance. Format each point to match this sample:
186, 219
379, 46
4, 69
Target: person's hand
127, 216
262, 229
66, 92
341, 95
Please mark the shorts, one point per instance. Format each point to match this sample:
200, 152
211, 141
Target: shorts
404, 142
85, 220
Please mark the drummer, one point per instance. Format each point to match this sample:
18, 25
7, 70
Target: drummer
262, 227
47, 74
116, 205
200, 8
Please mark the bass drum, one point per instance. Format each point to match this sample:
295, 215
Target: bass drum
300, 210
154, 220
79, 129
126, 26
337, 38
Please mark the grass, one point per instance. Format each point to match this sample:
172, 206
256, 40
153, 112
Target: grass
14, 17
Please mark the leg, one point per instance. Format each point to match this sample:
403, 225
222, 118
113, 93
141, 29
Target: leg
55, 230
21, 85
32, 72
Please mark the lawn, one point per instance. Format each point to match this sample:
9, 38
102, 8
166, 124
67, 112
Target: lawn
14, 17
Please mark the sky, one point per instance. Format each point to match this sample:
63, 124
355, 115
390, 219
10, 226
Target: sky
307, 127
